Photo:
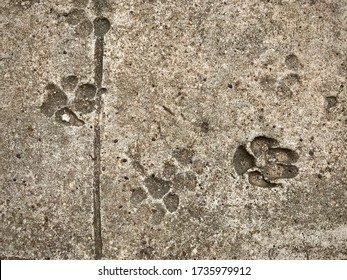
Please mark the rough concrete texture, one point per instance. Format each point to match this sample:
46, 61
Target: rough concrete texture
164, 129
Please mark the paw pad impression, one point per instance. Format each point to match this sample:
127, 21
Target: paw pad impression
266, 162
80, 23
177, 176
56, 101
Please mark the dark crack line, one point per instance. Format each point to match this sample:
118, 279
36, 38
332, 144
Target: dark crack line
98, 72
101, 27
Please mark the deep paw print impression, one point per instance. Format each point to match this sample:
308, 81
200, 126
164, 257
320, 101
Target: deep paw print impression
56, 102
266, 162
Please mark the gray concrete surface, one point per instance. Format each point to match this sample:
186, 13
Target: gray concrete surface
173, 129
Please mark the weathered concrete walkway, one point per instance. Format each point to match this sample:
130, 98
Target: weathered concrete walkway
165, 129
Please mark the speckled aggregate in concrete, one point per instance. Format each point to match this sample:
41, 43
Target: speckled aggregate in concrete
218, 130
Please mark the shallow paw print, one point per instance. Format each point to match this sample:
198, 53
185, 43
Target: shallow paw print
285, 86
56, 102
265, 162
161, 192
161, 189
185, 181
82, 26
164, 189
78, 18
157, 187
186, 176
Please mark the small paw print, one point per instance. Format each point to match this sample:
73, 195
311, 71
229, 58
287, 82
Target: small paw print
82, 26
266, 162
79, 21
175, 178
160, 191
56, 102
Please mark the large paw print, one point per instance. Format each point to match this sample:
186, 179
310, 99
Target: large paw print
56, 102
175, 178
266, 163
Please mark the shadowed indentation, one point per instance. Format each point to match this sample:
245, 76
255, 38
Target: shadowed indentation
261, 144
84, 106
330, 101
67, 117
243, 160
273, 171
54, 99
101, 26
69, 83
86, 91
98, 77
171, 202
138, 195
281, 155
283, 91
255, 178
138, 167
291, 79
267, 83
292, 61
157, 187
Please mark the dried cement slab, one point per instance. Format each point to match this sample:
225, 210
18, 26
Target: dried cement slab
188, 83
46, 167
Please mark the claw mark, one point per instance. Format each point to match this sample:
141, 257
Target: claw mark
168, 110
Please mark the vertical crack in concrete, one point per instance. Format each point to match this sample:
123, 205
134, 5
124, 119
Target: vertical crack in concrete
98, 57
101, 26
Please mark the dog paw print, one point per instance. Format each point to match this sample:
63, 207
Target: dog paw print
82, 26
175, 178
266, 162
56, 102
77, 18
284, 87
161, 192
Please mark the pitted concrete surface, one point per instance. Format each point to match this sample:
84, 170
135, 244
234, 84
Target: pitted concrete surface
179, 129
